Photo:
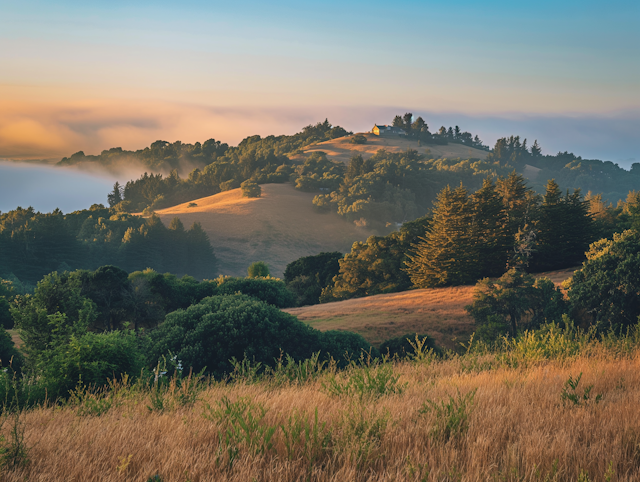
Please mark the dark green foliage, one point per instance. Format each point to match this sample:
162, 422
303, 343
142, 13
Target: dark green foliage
376, 266
404, 346
308, 276
344, 346
219, 328
258, 269
34, 244
318, 173
513, 302
250, 189
608, 285
564, 229
447, 254
358, 139
90, 358
269, 290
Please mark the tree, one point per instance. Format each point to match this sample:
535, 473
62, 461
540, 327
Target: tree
306, 277
564, 229
490, 229
535, 149
115, 197
258, 269
250, 189
447, 254
500, 306
608, 284
358, 139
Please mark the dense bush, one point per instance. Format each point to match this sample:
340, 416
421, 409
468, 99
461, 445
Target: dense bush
608, 285
250, 189
358, 139
306, 277
9, 354
91, 359
209, 334
270, 290
258, 269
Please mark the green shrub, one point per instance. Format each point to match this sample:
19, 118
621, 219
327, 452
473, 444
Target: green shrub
91, 359
270, 290
220, 328
9, 355
358, 139
259, 269
250, 189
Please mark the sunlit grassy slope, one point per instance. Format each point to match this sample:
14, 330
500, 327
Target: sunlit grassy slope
496, 419
278, 228
436, 312
342, 149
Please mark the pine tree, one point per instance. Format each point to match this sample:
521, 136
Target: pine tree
115, 197
535, 149
447, 254
490, 230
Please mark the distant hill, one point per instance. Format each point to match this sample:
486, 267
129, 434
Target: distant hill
278, 228
438, 312
342, 149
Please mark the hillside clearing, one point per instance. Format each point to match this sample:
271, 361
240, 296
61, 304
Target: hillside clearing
342, 149
278, 227
438, 312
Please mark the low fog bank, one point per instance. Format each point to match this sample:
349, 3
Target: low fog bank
46, 187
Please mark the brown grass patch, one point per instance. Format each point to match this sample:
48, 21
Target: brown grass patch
278, 227
438, 312
342, 149
519, 430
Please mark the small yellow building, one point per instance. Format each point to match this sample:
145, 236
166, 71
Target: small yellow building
387, 131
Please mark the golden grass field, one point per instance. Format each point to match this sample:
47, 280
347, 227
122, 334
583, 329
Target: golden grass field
438, 312
342, 149
518, 430
278, 227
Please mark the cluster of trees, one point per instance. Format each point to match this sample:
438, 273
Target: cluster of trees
389, 189
89, 326
33, 244
419, 129
466, 237
602, 294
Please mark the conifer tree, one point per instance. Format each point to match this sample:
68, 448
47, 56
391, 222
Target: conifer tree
447, 254
490, 230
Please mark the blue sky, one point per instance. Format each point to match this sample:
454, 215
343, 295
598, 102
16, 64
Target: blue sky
91, 75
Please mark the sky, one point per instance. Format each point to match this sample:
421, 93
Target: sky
93, 75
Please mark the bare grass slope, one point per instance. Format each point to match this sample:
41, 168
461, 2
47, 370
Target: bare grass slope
278, 227
438, 312
342, 149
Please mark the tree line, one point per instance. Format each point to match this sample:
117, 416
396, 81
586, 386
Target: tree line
33, 244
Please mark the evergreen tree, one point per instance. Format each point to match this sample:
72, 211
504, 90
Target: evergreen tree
115, 197
535, 149
447, 254
490, 229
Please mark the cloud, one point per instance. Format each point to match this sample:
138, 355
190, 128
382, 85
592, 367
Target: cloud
36, 128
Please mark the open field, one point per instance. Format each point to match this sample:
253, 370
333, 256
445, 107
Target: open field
438, 312
342, 149
513, 426
278, 228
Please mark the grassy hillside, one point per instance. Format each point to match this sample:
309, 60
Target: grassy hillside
470, 418
342, 149
278, 228
438, 312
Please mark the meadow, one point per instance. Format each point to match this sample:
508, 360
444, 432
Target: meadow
557, 405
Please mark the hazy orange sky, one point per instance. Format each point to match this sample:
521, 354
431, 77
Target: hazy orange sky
77, 76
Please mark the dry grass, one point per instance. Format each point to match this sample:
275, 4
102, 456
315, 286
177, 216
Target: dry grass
278, 228
518, 430
342, 149
437, 312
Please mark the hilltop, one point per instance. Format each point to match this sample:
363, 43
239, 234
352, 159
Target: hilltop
279, 227
437, 312
342, 149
